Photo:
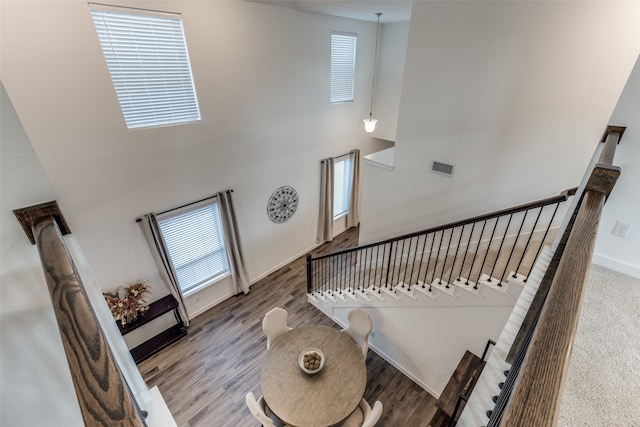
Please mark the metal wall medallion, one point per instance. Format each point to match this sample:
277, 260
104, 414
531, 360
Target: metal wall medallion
282, 204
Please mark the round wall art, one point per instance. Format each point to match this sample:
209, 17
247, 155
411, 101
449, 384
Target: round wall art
282, 204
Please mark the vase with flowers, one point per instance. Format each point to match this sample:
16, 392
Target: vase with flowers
128, 301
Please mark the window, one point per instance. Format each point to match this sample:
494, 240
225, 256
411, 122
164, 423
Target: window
343, 65
341, 186
195, 242
149, 65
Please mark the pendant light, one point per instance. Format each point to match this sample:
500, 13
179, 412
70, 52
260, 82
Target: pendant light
370, 123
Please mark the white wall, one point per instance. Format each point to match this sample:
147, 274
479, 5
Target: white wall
262, 78
515, 94
389, 74
437, 339
35, 383
617, 253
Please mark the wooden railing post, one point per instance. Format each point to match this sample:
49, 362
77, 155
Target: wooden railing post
102, 392
611, 139
537, 392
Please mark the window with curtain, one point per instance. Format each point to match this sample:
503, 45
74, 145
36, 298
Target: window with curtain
195, 243
343, 66
147, 58
342, 173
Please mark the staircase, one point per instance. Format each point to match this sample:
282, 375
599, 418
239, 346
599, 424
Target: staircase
438, 293
481, 402
435, 282
482, 307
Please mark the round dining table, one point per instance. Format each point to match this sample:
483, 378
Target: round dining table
313, 400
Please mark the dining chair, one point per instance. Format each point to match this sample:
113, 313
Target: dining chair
257, 408
261, 411
372, 418
363, 415
359, 328
274, 324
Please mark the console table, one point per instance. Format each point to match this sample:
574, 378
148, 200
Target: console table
163, 339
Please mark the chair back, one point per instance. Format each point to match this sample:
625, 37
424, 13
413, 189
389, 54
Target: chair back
274, 324
257, 408
357, 417
360, 326
372, 418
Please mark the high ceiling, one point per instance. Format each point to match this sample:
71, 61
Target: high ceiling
364, 10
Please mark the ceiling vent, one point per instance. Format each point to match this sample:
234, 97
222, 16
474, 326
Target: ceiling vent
442, 168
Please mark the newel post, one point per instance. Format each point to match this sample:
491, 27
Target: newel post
102, 392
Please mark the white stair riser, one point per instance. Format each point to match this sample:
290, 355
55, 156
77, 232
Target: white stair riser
457, 294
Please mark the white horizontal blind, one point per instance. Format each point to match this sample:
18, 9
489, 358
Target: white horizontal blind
343, 65
196, 244
149, 65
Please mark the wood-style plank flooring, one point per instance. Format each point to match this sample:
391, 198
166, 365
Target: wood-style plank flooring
205, 376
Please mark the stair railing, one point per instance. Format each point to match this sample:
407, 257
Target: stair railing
484, 248
532, 392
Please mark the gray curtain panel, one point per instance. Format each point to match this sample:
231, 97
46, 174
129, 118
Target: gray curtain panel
325, 216
353, 214
158, 246
232, 242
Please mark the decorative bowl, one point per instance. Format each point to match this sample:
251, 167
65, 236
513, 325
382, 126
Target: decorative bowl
311, 354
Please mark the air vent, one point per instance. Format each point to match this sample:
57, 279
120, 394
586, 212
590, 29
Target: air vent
442, 168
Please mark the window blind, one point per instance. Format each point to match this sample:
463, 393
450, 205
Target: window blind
196, 244
343, 65
149, 65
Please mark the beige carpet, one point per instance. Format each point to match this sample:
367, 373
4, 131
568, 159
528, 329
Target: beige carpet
603, 384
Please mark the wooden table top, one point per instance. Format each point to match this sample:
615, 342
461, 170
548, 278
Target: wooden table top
317, 400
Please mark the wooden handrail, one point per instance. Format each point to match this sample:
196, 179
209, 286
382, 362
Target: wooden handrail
537, 394
103, 394
538, 390
562, 197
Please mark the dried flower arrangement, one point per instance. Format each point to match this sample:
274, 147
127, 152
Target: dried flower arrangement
128, 301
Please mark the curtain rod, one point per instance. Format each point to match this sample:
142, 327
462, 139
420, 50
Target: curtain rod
341, 155
115, 6
185, 205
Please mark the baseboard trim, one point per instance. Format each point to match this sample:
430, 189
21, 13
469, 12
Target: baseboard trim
391, 361
213, 303
614, 264
283, 263
408, 374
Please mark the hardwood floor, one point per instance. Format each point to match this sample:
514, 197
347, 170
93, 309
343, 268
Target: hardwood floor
204, 377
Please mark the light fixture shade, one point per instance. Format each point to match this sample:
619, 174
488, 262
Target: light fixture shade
370, 124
